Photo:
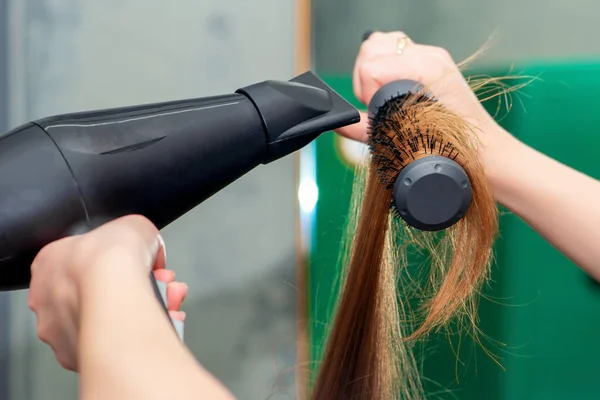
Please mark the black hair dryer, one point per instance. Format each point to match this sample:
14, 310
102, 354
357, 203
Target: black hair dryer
157, 160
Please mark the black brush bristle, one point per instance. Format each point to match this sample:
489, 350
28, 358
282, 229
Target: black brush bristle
396, 136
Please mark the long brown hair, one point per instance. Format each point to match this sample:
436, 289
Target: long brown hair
370, 346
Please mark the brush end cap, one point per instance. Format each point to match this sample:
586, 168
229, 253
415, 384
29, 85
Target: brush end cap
432, 193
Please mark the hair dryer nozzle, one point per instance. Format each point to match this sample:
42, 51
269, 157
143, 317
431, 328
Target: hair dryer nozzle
296, 112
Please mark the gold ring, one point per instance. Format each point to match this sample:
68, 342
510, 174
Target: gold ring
401, 44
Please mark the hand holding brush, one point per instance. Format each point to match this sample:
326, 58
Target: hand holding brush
521, 178
392, 56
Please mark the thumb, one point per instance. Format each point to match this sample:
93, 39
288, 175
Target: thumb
356, 131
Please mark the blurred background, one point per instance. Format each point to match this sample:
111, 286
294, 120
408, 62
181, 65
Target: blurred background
238, 257
242, 260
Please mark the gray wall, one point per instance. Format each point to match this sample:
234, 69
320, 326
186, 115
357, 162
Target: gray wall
236, 251
4, 297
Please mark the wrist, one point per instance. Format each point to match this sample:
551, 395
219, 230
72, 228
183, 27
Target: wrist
500, 149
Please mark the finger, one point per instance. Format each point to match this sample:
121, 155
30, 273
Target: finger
416, 64
422, 63
381, 44
356, 131
160, 262
178, 315
367, 35
378, 44
53, 255
176, 292
379, 71
164, 275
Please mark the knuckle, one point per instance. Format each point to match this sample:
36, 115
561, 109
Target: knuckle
366, 48
63, 294
372, 42
366, 51
45, 331
442, 53
374, 36
136, 219
62, 361
133, 226
83, 248
125, 231
358, 95
366, 69
370, 73
65, 361
398, 33
125, 235
42, 257
32, 301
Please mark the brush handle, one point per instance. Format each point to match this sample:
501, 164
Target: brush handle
160, 290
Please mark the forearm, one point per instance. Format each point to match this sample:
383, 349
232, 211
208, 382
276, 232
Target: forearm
128, 350
560, 203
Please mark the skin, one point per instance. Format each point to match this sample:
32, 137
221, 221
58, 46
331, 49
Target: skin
523, 179
96, 309
122, 345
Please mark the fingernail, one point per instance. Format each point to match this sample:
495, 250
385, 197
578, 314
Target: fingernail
185, 292
178, 315
182, 285
164, 247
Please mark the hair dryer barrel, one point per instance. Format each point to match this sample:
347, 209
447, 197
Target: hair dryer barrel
157, 160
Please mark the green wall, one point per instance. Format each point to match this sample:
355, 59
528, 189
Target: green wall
540, 312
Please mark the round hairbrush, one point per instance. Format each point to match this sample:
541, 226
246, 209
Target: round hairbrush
431, 190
